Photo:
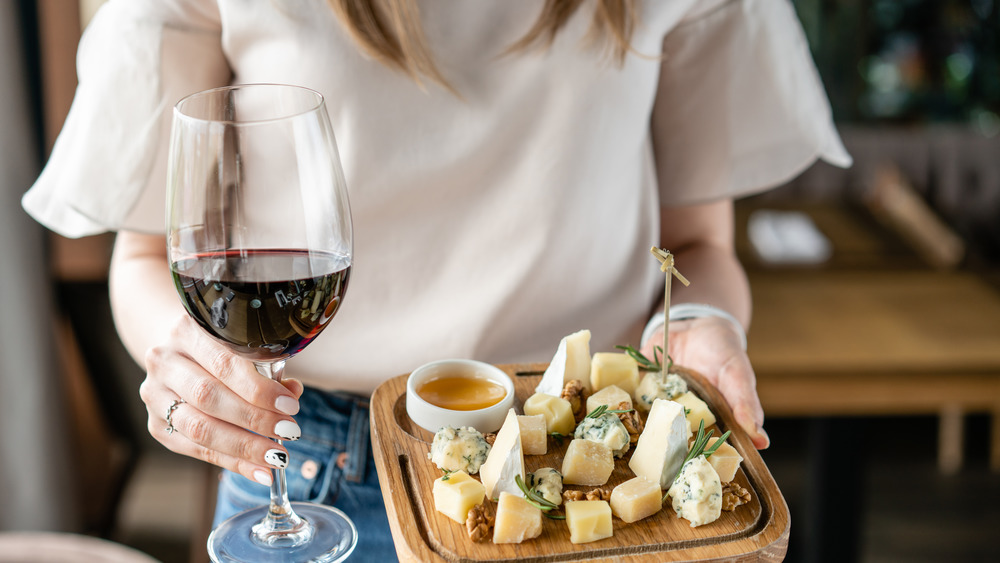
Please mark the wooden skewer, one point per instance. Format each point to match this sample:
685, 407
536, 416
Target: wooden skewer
667, 267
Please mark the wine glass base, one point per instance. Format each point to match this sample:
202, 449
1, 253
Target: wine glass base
333, 539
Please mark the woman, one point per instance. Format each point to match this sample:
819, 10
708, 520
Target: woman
510, 164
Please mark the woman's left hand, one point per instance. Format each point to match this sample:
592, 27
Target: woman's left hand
713, 347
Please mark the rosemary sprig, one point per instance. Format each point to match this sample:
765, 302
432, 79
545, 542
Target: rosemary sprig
698, 447
559, 436
537, 500
603, 409
447, 474
645, 364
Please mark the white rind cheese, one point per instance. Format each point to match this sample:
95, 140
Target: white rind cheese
606, 429
463, 449
505, 461
571, 361
663, 445
696, 495
655, 385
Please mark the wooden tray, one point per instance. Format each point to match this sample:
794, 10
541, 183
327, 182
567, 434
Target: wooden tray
753, 532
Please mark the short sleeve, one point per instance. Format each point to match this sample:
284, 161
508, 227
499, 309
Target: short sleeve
740, 107
136, 59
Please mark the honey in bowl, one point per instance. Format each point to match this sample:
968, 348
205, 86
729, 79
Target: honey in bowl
461, 392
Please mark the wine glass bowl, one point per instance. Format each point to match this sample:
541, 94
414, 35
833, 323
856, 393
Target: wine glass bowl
260, 247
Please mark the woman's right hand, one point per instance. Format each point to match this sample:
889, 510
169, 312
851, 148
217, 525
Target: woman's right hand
229, 410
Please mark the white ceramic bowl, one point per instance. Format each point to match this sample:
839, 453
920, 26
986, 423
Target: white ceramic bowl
432, 417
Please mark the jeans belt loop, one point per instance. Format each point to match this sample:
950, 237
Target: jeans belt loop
357, 444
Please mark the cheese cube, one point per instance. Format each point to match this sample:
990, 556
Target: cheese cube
505, 461
534, 438
557, 412
517, 520
587, 463
588, 520
571, 361
612, 395
726, 460
663, 444
456, 493
697, 409
636, 499
612, 368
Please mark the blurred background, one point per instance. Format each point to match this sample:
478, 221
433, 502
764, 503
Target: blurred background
876, 336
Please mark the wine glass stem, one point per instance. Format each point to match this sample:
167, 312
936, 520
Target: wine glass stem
281, 526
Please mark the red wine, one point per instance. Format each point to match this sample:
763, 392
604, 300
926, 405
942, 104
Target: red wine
264, 304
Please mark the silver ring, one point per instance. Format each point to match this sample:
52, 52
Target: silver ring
170, 413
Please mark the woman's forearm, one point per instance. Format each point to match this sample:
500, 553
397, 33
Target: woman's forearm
143, 299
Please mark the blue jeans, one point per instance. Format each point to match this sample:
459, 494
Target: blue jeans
334, 425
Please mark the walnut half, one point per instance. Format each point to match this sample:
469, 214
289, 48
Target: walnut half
733, 495
574, 392
631, 421
602, 493
478, 523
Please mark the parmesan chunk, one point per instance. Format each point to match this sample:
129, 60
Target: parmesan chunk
726, 460
697, 410
587, 463
534, 438
517, 520
612, 396
556, 410
636, 499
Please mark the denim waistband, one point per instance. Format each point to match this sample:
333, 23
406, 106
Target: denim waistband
339, 421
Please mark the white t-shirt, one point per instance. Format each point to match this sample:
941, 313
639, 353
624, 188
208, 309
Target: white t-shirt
489, 225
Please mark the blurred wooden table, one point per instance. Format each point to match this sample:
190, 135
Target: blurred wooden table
872, 333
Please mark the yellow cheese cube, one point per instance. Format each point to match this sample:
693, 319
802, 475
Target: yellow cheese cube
587, 463
557, 412
517, 520
456, 493
696, 411
612, 368
726, 460
612, 395
534, 438
588, 520
636, 499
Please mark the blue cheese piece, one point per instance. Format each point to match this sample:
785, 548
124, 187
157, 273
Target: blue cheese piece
505, 460
463, 449
606, 429
571, 361
663, 444
696, 494
548, 483
655, 385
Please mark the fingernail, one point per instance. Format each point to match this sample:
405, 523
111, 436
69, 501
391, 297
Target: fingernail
287, 430
286, 405
277, 458
262, 477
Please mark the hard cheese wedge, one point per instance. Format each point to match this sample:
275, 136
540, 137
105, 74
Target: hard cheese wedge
571, 361
534, 435
697, 409
588, 520
517, 520
636, 499
506, 460
612, 395
612, 368
662, 445
456, 493
726, 460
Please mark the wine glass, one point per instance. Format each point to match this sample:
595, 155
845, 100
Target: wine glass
260, 246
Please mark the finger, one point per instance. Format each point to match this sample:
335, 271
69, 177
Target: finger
201, 436
236, 373
738, 385
210, 396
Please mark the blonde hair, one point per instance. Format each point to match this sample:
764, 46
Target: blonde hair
390, 31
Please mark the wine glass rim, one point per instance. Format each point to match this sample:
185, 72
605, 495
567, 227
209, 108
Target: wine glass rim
179, 113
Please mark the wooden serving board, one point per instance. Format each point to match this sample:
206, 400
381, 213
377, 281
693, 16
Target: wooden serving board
753, 532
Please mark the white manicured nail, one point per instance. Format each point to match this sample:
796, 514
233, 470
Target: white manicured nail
286, 405
287, 430
262, 477
277, 458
